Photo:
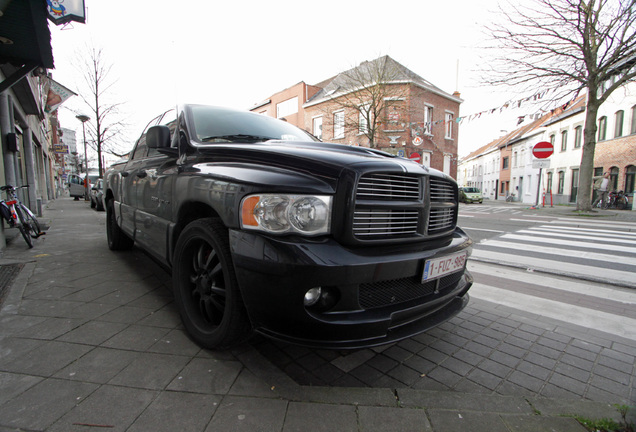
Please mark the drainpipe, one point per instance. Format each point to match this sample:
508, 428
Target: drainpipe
6, 128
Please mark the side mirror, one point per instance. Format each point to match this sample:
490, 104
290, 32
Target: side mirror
158, 137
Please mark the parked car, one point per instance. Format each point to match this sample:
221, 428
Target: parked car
266, 229
97, 195
470, 195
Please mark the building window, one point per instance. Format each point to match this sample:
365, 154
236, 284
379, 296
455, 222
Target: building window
633, 128
428, 120
317, 127
630, 176
561, 182
363, 121
613, 178
552, 139
338, 125
505, 163
574, 189
618, 125
602, 128
548, 186
288, 107
564, 140
449, 125
514, 160
578, 136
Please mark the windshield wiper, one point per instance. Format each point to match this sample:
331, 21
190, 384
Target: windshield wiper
238, 137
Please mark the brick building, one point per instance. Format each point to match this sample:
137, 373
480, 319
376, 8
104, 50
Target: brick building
379, 104
288, 104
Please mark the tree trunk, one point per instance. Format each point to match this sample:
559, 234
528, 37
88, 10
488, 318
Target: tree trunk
584, 195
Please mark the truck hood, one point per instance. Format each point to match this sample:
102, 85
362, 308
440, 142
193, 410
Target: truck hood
323, 159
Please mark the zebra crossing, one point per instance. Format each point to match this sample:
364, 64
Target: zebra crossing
600, 251
582, 303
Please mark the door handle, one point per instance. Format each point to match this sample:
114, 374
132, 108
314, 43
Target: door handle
142, 174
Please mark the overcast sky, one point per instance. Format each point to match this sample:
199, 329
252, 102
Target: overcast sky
239, 53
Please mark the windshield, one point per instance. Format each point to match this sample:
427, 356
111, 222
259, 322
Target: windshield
215, 125
471, 190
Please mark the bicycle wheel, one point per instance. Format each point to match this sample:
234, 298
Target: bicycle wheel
32, 221
24, 228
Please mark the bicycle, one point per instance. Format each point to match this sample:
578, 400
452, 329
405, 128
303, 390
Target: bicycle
19, 216
510, 198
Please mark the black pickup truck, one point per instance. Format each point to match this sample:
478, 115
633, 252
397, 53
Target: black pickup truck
266, 229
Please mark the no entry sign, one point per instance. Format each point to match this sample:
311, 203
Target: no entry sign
542, 150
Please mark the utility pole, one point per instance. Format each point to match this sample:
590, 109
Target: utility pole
84, 118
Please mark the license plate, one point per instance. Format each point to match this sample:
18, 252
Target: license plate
442, 266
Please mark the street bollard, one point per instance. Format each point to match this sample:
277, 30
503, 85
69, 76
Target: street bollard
38, 205
634, 201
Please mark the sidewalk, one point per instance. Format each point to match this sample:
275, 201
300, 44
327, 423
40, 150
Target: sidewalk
90, 340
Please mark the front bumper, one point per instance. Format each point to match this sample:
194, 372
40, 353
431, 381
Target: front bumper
380, 297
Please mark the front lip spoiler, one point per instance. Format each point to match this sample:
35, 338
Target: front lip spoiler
399, 329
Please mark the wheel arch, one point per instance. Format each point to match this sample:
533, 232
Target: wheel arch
187, 213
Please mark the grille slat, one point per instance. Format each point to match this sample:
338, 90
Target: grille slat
385, 222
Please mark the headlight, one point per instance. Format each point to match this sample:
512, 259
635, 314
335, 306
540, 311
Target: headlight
281, 214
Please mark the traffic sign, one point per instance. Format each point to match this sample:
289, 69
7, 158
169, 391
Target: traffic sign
415, 157
542, 150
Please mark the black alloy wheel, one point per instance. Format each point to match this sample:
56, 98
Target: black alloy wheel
205, 287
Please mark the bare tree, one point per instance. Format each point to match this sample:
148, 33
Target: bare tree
366, 93
567, 46
105, 125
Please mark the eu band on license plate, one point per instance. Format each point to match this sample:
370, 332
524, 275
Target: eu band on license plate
442, 266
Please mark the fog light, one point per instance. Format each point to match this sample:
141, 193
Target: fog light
312, 296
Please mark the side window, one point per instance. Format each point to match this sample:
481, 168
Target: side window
140, 149
166, 119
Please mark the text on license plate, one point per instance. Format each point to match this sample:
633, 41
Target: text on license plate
444, 265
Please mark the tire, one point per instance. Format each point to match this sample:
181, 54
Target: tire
117, 239
24, 228
205, 288
32, 221
621, 204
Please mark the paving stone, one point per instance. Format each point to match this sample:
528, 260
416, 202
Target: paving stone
466, 421
109, 407
136, 338
539, 423
353, 360
383, 419
328, 418
150, 371
526, 381
495, 368
46, 359
485, 379
248, 414
43, 404
98, 366
534, 370
13, 385
203, 375
172, 411
92, 332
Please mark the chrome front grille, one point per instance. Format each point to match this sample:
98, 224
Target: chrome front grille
401, 206
389, 187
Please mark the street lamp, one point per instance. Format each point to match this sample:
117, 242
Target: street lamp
84, 118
